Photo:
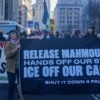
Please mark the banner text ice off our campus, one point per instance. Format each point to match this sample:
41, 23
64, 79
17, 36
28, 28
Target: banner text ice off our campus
60, 66
3, 76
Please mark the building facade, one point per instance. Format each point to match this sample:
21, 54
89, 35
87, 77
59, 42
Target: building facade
69, 16
2, 9
28, 4
11, 10
38, 11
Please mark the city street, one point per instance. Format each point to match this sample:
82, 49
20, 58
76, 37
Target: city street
3, 94
50, 49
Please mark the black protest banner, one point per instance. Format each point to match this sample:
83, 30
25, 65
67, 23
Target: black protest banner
60, 66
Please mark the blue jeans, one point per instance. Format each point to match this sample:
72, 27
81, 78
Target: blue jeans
11, 84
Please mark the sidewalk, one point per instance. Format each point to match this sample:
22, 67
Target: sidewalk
3, 94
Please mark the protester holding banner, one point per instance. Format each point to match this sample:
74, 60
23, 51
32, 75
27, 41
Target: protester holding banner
12, 56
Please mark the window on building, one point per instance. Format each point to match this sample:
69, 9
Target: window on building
76, 3
70, 9
62, 11
76, 22
77, 26
74, 26
62, 17
70, 17
78, 9
62, 21
71, 13
20, 13
71, 26
70, 21
76, 17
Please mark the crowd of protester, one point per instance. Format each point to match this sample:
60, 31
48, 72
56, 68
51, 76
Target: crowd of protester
37, 34
50, 34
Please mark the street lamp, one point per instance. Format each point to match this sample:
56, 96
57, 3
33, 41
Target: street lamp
23, 15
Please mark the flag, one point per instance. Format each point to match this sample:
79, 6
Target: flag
46, 14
